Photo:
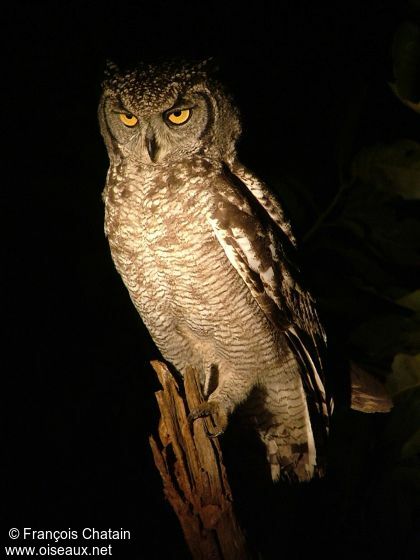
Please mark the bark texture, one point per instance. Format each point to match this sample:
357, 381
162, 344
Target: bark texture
194, 477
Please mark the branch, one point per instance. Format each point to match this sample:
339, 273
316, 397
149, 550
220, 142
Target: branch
323, 216
194, 477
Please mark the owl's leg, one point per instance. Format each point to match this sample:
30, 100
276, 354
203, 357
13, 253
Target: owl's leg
283, 422
233, 388
218, 414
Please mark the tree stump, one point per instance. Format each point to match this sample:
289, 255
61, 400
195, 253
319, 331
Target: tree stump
194, 477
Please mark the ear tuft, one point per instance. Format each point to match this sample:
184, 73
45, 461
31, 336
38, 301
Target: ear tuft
111, 68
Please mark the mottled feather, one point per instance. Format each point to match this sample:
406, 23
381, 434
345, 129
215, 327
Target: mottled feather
262, 257
209, 259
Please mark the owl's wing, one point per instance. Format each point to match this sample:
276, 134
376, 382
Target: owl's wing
264, 196
261, 252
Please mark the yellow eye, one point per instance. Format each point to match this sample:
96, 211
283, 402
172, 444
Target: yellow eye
180, 116
128, 119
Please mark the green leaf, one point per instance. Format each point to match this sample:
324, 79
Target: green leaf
393, 168
406, 60
383, 336
412, 446
405, 373
411, 301
411, 104
393, 250
403, 422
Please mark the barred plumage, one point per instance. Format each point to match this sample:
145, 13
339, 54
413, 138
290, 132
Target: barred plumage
208, 259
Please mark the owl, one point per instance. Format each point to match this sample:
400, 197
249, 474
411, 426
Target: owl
208, 259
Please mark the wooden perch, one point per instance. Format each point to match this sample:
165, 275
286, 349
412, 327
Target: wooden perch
194, 477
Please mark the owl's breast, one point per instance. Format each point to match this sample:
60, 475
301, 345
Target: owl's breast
159, 238
179, 278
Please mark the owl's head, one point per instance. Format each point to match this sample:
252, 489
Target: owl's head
157, 115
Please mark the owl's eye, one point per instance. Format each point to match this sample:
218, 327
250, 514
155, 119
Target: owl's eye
128, 119
179, 116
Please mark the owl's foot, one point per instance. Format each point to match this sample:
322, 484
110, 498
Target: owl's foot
219, 416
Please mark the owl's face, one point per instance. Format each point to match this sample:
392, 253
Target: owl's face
157, 115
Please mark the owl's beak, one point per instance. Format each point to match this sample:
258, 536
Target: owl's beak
151, 144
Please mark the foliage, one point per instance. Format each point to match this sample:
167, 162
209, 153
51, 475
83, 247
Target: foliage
406, 60
362, 257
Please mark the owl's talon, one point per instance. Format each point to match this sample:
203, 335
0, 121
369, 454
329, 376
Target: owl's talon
215, 434
219, 417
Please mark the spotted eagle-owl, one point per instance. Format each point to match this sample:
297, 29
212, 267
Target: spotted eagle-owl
207, 256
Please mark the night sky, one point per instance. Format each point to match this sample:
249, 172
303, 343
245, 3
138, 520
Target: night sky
79, 399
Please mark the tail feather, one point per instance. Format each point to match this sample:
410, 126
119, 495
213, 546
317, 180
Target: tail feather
283, 419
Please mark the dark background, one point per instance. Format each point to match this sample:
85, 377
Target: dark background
79, 399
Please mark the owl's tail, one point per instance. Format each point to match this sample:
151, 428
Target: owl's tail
284, 424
